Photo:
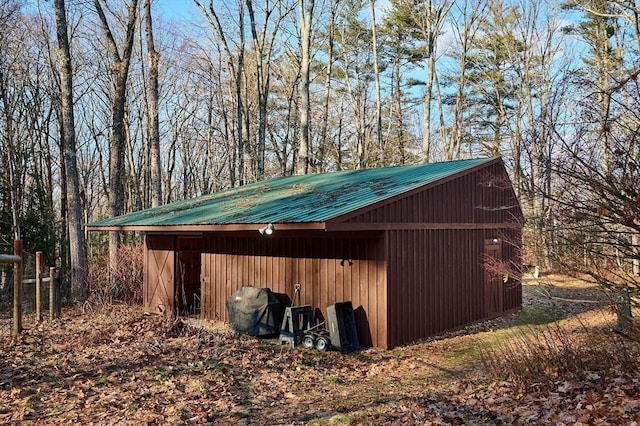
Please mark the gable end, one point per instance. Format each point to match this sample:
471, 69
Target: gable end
480, 196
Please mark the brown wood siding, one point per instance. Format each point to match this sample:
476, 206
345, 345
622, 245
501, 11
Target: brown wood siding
159, 264
512, 255
484, 196
330, 267
436, 280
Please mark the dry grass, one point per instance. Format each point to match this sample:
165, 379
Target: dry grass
539, 353
539, 356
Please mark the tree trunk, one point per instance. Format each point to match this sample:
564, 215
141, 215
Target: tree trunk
153, 131
324, 125
469, 19
376, 76
306, 14
79, 286
9, 151
434, 19
397, 94
426, 105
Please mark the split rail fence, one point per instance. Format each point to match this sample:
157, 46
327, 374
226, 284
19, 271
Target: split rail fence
25, 298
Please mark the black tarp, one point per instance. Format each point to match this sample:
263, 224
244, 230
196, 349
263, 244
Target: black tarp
254, 311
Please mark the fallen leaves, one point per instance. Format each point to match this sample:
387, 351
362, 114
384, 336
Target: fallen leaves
124, 367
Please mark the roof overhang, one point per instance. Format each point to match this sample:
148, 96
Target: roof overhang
412, 226
321, 226
211, 228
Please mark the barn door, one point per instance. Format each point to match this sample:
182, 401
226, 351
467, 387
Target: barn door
159, 277
493, 284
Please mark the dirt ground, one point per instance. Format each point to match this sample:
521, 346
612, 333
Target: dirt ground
119, 366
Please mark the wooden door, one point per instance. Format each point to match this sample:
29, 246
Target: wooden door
159, 274
493, 284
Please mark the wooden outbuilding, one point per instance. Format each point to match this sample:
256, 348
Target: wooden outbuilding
418, 250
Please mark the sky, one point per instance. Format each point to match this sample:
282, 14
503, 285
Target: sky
186, 9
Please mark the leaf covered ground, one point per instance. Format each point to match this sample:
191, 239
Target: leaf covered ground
120, 366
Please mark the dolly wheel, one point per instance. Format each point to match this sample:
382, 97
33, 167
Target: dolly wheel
308, 341
322, 344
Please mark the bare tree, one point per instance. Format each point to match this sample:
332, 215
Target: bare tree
376, 77
430, 24
597, 169
306, 17
599, 213
468, 16
533, 116
264, 41
235, 61
10, 98
153, 132
121, 62
323, 125
77, 250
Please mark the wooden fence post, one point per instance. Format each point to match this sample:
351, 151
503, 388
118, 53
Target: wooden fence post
17, 288
38, 286
58, 281
54, 311
52, 293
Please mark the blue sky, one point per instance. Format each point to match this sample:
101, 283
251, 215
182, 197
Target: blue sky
179, 8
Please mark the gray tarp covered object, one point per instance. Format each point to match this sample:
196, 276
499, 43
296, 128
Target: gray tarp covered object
254, 311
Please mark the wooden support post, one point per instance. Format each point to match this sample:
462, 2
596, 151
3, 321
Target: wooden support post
38, 286
58, 285
53, 295
17, 288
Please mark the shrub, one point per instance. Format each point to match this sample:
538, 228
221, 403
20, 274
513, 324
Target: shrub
125, 283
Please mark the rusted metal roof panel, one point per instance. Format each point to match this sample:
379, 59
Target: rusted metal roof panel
295, 199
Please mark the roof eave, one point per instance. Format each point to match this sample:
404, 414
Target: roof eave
209, 227
413, 226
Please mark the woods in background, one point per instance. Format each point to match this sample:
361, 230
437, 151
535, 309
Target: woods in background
167, 107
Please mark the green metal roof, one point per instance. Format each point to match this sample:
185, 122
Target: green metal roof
294, 199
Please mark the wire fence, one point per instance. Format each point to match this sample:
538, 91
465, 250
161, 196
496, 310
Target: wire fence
34, 306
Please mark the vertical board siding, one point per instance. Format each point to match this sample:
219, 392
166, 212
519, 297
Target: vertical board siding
484, 196
436, 281
329, 268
